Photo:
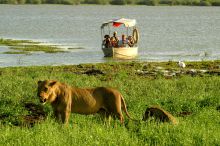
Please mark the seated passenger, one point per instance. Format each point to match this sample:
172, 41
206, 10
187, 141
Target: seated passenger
114, 39
113, 42
115, 36
123, 41
130, 41
106, 41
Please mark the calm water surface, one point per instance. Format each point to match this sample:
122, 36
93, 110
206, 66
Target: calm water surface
167, 33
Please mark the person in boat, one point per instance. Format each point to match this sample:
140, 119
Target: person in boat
113, 42
115, 36
130, 41
106, 41
114, 39
123, 41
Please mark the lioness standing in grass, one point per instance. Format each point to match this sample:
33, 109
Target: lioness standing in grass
65, 99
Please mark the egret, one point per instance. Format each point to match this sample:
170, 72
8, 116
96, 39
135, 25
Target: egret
182, 64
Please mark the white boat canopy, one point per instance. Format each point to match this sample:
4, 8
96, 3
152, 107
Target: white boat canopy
119, 22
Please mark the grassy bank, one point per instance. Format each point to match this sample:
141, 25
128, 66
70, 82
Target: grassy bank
118, 2
190, 94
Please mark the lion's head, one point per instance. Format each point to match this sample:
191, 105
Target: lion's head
46, 91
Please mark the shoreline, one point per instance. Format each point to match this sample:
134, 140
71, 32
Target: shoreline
153, 3
166, 69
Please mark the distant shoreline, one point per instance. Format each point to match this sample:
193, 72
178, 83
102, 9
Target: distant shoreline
118, 2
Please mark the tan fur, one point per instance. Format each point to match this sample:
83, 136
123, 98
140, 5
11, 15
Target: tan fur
65, 99
159, 114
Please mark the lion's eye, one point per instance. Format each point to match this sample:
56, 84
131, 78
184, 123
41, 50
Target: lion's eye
45, 89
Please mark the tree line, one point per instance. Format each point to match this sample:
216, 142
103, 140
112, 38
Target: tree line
118, 2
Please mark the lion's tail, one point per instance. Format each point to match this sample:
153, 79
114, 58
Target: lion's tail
125, 108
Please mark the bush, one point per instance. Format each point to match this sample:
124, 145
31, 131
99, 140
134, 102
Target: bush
216, 3
151, 2
101, 2
76, 2
131, 2
195, 2
67, 2
205, 3
53, 1
8, 2
36, 1
33, 1
21, 1
166, 2
118, 2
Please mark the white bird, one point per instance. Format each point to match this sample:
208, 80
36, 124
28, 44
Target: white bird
182, 64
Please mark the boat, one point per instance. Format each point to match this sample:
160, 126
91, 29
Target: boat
125, 48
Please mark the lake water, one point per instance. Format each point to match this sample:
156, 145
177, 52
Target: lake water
166, 33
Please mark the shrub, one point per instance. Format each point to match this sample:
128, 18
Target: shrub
36, 1
33, 1
205, 3
166, 2
21, 1
66, 2
101, 2
195, 2
131, 1
8, 2
152, 2
118, 2
216, 3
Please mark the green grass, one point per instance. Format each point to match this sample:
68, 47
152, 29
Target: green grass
195, 93
27, 46
15, 52
10, 42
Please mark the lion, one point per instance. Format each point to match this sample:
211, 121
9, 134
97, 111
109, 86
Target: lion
66, 99
159, 114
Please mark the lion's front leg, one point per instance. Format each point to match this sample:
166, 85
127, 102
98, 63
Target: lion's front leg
65, 116
57, 115
66, 110
66, 113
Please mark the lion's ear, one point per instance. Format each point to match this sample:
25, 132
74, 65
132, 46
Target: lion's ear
39, 82
52, 83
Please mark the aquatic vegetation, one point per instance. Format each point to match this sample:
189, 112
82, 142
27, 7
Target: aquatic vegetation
27, 46
37, 48
15, 52
10, 42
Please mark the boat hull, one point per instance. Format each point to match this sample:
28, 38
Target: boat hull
121, 52
108, 52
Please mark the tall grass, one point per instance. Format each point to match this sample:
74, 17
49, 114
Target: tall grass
197, 95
